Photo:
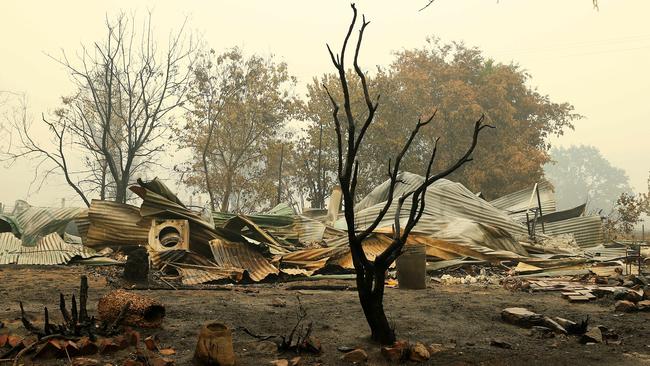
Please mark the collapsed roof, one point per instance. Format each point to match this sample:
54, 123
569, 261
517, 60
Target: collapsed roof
456, 224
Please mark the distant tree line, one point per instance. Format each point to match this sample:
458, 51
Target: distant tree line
253, 141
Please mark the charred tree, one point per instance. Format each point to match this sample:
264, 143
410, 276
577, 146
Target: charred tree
370, 275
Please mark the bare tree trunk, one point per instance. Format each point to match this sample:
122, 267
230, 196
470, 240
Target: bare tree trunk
280, 176
320, 201
206, 171
370, 287
371, 274
120, 190
225, 203
206, 174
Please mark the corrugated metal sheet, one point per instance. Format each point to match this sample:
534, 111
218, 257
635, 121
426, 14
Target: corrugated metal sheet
297, 229
406, 182
602, 253
247, 227
518, 201
36, 222
9, 248
446, 202
311, 259
263, 220
281, 209
338, 253
563, 215
156, 205
193, 268
113, 223
372, 246
302, 230
587, 230
50, 250
195, 276
241, 255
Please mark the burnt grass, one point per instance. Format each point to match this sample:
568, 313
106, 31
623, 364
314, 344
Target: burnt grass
467, 316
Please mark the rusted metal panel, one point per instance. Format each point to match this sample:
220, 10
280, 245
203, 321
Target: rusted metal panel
115, 224
240, 223
192, 268
242, 255
157, 205
310, 259
297, 229
195, 276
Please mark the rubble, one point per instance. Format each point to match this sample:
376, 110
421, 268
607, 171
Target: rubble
500, 344
593, 335
625, 306
521, 316
419, 353
186, 249
471, 242
357, 356
396, 352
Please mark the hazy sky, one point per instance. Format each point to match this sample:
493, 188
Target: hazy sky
596, 60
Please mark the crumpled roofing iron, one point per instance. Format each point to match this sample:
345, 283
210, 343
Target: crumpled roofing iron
50, 250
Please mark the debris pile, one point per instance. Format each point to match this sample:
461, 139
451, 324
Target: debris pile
544, 327
522, 235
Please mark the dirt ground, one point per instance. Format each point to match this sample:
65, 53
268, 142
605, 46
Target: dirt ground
465, 315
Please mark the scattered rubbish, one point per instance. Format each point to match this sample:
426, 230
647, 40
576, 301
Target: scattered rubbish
542, 332
345, 348
278, 303
521, 317
419, 353
151, 343
357, 356
399, 351
81, 335
625, 306
592, 335
299, 339
500, 344
545, 327
285, 362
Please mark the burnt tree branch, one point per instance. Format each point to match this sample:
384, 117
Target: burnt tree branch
370, 275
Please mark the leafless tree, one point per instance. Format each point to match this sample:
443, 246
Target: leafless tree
370, 275
126, 90
49, 157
